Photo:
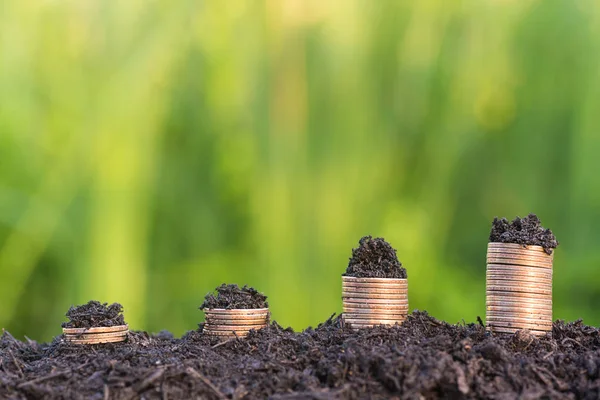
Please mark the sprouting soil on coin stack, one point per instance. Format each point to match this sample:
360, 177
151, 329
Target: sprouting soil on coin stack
94, 314
375, 258
231, 296
525, 231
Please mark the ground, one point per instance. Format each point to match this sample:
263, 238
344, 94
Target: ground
423, 358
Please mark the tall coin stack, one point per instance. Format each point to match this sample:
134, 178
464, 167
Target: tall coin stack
518, 288
103, 334
235, 322
368, 302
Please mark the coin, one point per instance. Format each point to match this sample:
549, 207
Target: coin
499, 329
523, 252
232, 327
375, 308
527, 269
237, 311
386, 311
97, 341
98, 329
375, 280
354, 300
518, 309
528, 289
517, 277
524, 323
508, 301
546, 315
235, 322
372, 320
517, 260
361, 289
346, 294
95, 335
499, 245
527, 285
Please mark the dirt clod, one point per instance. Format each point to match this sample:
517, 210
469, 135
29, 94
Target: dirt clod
375, 258
232, 297
526, 231
94, 314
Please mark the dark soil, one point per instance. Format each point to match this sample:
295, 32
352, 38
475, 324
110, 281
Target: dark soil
94, 314
375, 258
423, 358
526, 231
232, 296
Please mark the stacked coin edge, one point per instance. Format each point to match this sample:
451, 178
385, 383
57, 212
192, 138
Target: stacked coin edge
368, 302
518, 288
234, 322
96, 335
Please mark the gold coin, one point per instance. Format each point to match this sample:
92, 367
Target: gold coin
529, 289
375, 321
95, 335
375, 307
518, 277
516, 314
519, 269
510, 322
98, 329
233, 327
357, 289
497, 329
524, 261
374, 280
354, 300
358, 295
522, 284
245, 311
518, 309
97, 341
526, 253
234, 322
371, 311
499, 245
509, 299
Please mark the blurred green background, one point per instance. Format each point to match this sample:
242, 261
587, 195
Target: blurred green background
151, 150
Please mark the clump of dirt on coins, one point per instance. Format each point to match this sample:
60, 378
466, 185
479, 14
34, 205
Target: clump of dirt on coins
375, 258
233, 297
94, 314
525, 231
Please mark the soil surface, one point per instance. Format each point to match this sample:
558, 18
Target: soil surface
94, 314
375, 258
232, 296
423, 358
526, 231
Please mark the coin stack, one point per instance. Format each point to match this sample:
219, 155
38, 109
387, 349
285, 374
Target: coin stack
103, 334
368, 302
518, 288
237, 322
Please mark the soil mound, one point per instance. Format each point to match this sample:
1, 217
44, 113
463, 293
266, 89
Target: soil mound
232, 296
94, 314
375, 258
422, 358
526, 231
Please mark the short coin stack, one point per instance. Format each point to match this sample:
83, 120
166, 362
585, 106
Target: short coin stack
236, 322
518, 288
103, 334
368, 302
